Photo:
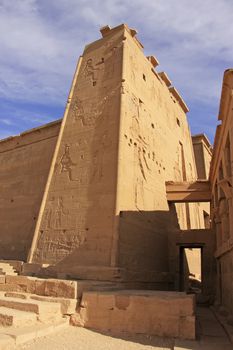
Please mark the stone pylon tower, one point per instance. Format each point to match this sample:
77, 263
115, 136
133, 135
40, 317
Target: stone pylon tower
124, 133
77, 221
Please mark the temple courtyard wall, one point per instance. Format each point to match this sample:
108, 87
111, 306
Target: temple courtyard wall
25, 162
221, 177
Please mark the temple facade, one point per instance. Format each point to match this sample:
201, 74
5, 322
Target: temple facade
119, 190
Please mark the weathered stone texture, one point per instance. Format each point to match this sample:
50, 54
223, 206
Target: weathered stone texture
46, 287
221, 176
95, 204
78, 217
153, 313
25, 161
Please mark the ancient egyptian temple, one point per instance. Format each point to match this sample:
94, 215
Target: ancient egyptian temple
119, 198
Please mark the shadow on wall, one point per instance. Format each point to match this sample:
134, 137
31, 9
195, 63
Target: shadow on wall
142, 252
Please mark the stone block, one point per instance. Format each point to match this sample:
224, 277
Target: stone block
76, 320
16, 264
181, 344
2, 279
61, 288
23, 283
7, 287
165, 314
6, 342
12, 317
68, 306
15, 295
187, 327
30, 269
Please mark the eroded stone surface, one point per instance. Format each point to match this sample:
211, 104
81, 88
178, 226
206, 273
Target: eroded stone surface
146, 312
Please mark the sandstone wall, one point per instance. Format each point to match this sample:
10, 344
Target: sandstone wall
103, 203
155, 146
77, 219
203, 154
164, 314
221, 176
25, 161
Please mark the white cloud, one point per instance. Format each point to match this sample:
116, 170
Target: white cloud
6, 121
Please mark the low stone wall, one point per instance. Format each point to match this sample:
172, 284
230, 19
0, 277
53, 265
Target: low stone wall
170, 314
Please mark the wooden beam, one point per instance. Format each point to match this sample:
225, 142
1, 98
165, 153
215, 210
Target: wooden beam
185, 192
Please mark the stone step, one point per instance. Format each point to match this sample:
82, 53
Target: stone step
12, 317
13, 336
16, 295
43, 309
68, 306
7, 269
39, 286
16, 264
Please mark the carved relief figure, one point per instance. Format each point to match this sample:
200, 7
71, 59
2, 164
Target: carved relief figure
142, 146
139, 194
142, 141
90, 70
111, 59
67, 163
77, 110
98, 160
48, 214
133, 66
59, 211
56, 248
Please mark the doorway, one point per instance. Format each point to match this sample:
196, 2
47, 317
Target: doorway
190, 268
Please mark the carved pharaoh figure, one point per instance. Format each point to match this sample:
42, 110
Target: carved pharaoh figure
90, 70
67, 163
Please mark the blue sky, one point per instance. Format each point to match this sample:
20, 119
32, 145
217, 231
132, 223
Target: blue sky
41, 40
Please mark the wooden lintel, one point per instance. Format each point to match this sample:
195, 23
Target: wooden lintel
185, 192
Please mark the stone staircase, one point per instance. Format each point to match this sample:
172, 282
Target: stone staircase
26, 316
7, 269
31, 307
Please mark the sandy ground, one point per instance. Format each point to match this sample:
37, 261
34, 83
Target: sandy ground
74, 338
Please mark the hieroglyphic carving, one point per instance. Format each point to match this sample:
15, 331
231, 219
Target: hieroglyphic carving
56, 247
110, 60
53, 216
140, 141
77, 110
177, 171
48, 214
139, 193
66, 163
98, 159
90, 70
59, 211
141, 137
133, 66
88, 113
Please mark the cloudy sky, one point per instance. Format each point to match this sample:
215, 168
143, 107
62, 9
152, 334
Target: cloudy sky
41, 40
